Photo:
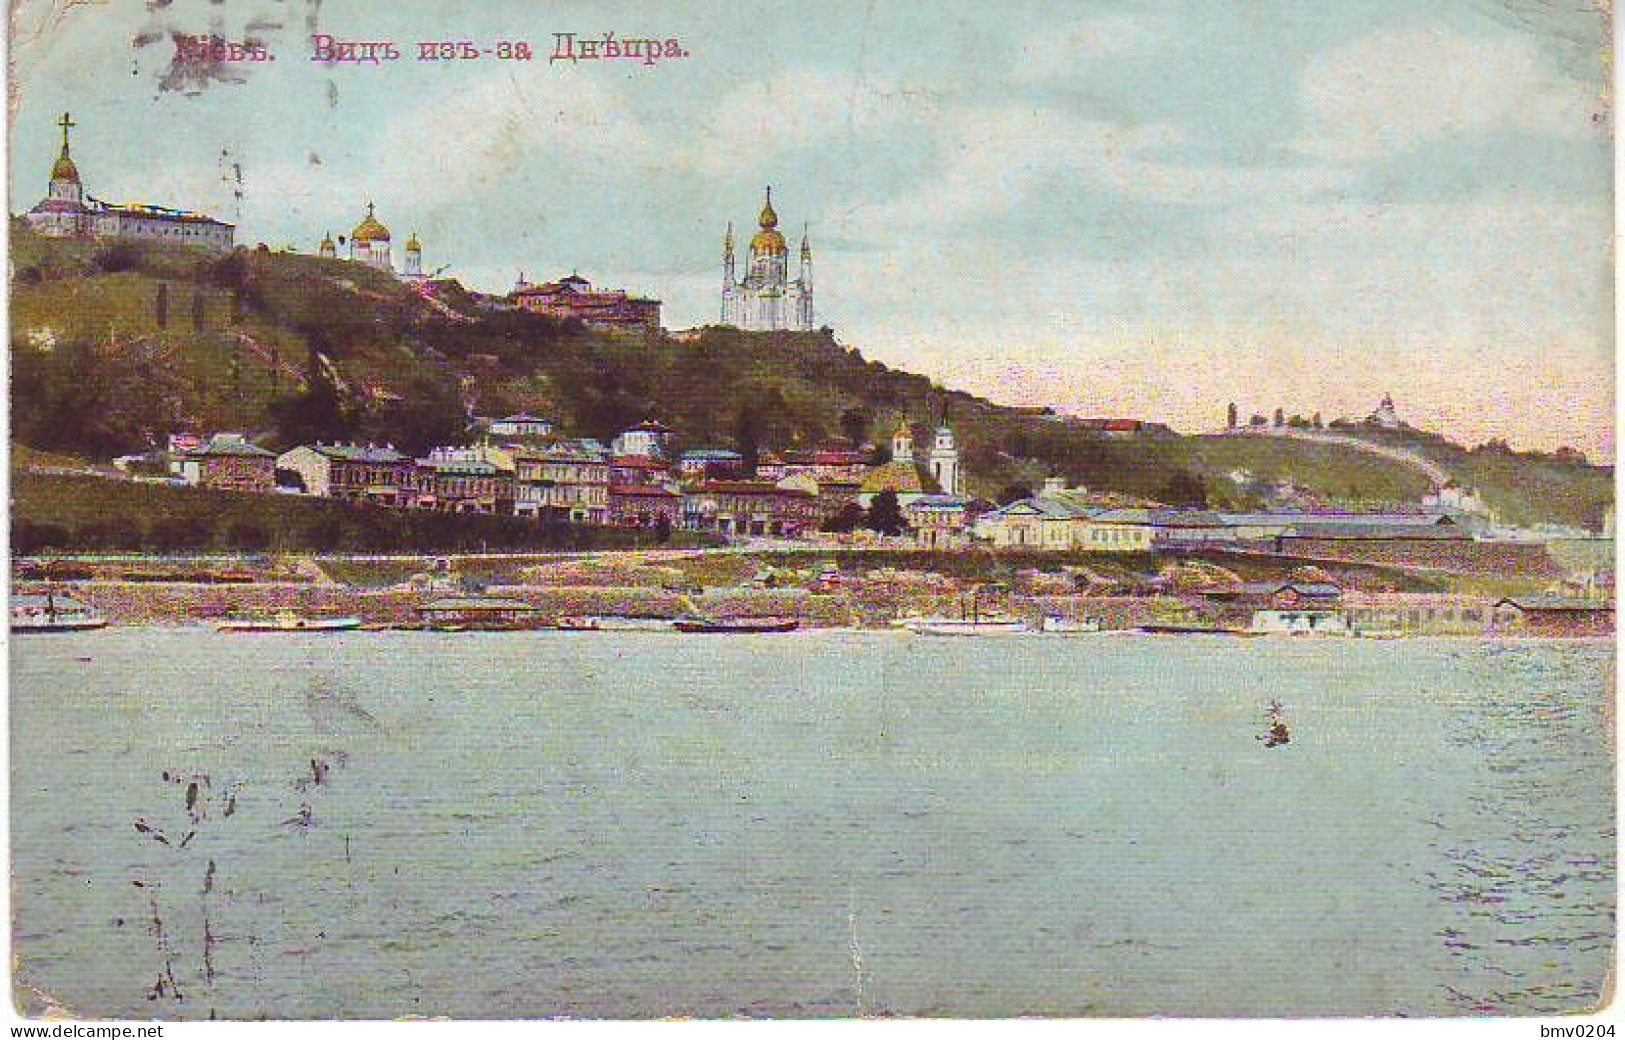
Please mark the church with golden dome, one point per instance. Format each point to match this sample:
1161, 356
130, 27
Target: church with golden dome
766, 300
68, 211
370, 244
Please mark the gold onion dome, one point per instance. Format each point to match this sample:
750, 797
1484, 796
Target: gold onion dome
370, 230
327, 241
412, 244
768, 240
64, 169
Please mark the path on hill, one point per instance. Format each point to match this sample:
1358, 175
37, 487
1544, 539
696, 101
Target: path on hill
1421, 463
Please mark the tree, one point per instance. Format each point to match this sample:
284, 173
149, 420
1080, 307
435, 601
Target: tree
1183, 488
1280, 417
1316, 422
316, 414
1013, 493
429, 413
885, 515
161, 307
850, 518
747, 434
197, 310
855, 425
1231, 418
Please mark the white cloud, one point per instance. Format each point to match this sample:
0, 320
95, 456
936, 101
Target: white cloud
1059, 53
1389, 91
805, 107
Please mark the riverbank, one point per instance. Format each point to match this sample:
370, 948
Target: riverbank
862, 606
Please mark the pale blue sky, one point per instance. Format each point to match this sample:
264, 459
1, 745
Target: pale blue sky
1147, 209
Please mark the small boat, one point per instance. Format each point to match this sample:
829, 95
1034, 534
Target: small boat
912, 622
994, 626
631, 623
53, 613
1055, 624
578, 624
735, 625
478, 613
288, 623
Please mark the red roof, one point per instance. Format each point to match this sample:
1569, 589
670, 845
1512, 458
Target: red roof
641, 491
637, 462
1122, 425
749, 487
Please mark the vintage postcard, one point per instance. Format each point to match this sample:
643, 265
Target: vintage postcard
831, 510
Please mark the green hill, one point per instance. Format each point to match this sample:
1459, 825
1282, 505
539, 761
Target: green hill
116, 345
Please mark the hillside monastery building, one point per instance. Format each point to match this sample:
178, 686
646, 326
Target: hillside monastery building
68, 212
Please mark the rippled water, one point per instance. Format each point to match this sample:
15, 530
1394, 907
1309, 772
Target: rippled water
630, 825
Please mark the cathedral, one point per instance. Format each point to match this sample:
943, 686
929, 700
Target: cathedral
68, 212
767, 300
370, 245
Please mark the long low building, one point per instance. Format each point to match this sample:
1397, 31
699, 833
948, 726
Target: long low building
1062, 519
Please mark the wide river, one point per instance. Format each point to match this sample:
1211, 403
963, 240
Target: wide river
808, 825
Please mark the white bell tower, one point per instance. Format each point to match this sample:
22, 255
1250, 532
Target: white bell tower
944, 462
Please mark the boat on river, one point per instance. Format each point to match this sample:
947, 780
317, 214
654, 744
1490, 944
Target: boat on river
479, 614
289, 622
52, 613
982, 626
724, 626
585, 623
1055, 624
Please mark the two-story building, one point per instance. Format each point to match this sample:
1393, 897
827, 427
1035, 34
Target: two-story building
939, 521
355, 472
711, 464
644, 505
638, 469
448, 482
522, 424
750, 507
228, 462
568, 480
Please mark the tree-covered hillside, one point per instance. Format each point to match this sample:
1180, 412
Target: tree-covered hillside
115, 345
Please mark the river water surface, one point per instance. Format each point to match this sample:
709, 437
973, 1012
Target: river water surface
808, 825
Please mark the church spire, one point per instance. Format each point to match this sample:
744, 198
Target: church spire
64, 174
768, 219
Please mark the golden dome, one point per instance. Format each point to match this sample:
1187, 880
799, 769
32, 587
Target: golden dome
64, 169
768, 240
327, 241
369, 230
412, 244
